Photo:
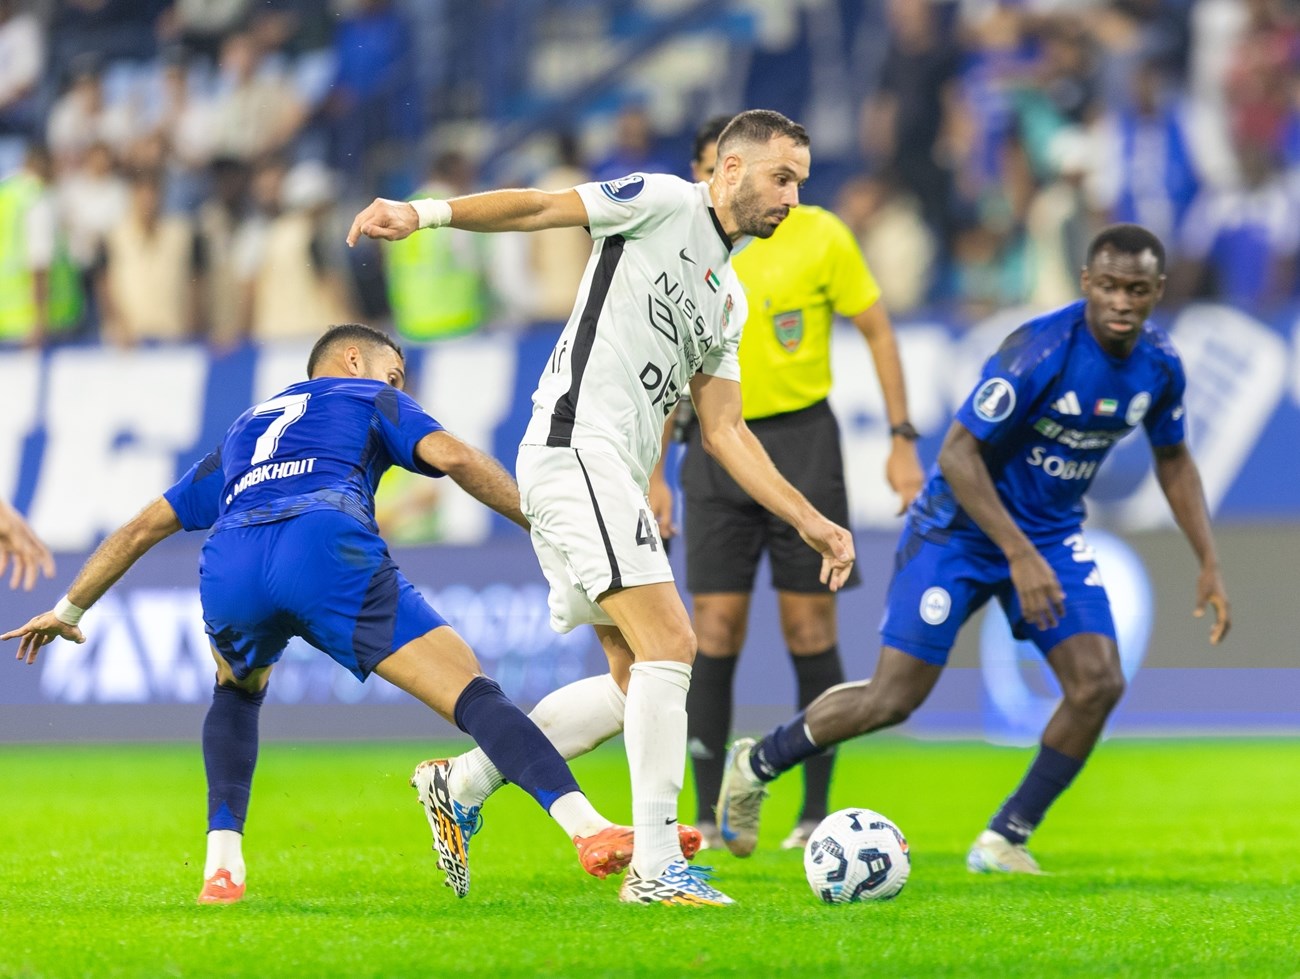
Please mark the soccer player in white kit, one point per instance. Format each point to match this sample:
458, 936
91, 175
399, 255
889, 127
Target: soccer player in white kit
658, 309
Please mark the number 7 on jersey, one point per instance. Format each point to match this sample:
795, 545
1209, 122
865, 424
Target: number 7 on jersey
290, 408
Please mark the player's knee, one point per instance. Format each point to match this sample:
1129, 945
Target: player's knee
808, 636
717, 633
1100, 691
678, 645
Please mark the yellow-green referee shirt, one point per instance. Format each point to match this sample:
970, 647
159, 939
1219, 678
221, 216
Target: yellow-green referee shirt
796, 281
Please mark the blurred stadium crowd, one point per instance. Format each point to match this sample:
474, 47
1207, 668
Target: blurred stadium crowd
184, 169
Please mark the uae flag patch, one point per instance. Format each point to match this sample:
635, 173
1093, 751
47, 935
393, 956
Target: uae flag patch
1106, 406
712, 281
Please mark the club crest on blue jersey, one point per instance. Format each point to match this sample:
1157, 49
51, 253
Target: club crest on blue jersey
1137, 408
624, 188
995, 399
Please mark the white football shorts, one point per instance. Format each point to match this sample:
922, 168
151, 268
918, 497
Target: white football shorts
592, 529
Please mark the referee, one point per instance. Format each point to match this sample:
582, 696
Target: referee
796, 281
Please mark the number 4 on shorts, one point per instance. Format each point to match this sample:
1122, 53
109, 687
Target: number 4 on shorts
645, 531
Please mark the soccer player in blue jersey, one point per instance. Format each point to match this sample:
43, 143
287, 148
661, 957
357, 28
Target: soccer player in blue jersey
1001, 516
293, 550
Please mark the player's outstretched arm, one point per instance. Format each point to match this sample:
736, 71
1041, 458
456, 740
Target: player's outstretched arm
1042, 599
111, 560
903, 467
19, 544
495, 210
728, 439
1180, 481
477, 473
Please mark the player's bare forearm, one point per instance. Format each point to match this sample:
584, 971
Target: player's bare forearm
476, 472
903, 467
963, 467
1041, 598
727, 438
1180, 481
19, 544
495, 210
518, 210
121, 549
873, 323
110, 561
741, 454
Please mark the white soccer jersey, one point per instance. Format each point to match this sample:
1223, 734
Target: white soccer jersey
658, 304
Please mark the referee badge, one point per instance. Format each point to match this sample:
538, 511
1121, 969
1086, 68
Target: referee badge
789, 329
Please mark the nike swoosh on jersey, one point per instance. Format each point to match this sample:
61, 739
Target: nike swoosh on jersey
684, 257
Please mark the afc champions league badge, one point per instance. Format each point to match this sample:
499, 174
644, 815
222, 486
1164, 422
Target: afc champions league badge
624, 188
995, 400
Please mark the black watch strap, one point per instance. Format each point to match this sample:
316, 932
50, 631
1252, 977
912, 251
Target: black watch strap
905, 430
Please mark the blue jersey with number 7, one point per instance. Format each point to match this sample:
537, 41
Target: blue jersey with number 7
320, 444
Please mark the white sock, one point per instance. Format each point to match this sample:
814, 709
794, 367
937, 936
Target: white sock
655, 734
225, 852
577, 816
576, 718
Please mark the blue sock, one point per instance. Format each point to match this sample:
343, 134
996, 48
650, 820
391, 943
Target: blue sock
1049, 776
230, 754
515, 745
782, 749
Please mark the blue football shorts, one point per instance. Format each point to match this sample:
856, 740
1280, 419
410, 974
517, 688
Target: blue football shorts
320, 575
936, 587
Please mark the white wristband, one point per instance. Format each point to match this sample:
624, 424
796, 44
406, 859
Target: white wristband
432, 213
66, 612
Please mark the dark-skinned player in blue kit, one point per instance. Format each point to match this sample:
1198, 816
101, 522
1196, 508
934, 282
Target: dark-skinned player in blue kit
1001, 517
293, 550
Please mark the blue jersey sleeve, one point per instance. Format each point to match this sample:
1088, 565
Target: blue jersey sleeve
402, 423
1165, 422
196, 496
1011, 383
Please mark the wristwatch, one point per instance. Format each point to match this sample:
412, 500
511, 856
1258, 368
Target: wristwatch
905, 430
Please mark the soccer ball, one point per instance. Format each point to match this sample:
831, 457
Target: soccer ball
856, 855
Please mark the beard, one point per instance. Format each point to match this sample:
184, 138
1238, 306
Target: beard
751, 216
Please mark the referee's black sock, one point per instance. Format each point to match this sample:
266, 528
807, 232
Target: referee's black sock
816, 674
708, 722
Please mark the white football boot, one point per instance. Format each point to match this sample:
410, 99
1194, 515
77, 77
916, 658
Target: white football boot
740, 801
993, 853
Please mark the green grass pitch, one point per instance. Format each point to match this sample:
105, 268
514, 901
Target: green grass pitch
1174, 858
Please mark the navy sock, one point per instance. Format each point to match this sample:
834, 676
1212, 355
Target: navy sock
708, 721
515, 745
1049, 776
782, 749
816, 674
230, 754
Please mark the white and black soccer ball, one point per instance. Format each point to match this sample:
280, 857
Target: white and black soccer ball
856, 855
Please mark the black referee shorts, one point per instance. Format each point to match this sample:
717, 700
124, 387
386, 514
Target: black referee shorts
727, 532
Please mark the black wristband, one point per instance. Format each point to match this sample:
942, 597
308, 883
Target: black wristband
905, 430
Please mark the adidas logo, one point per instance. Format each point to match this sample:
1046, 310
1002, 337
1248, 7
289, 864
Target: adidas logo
1067, 404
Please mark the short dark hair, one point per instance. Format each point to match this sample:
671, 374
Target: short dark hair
1128, 239
708, 133
348, 333
759, 126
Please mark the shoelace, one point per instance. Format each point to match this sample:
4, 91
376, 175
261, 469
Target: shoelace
468, 818
695, 878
